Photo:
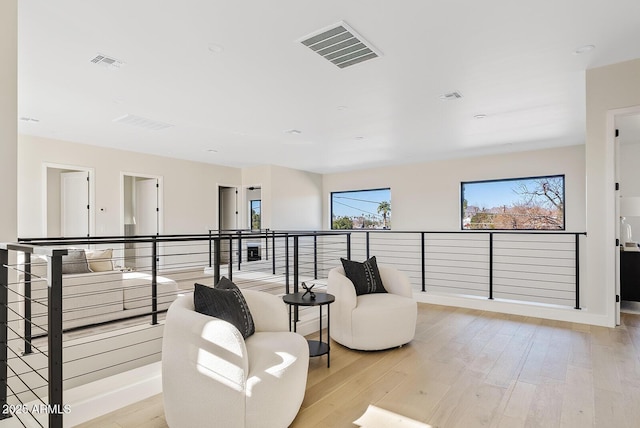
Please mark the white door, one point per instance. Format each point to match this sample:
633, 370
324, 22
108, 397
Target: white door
228, 208
146, 206
74, 204
146, 217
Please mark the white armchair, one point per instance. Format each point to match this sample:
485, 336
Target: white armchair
372, 321
211, 376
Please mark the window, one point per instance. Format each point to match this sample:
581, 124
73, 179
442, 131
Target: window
361, 209
256, 212
534, 203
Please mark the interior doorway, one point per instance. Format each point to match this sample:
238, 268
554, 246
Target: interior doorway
627, 175
253, 203
141, 215
68, 201
227, 216
228, 208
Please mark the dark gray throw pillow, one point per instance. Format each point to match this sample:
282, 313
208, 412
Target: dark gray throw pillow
226, 302
365, 276
75, 262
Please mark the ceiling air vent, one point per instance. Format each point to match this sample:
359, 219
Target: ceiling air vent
341, 45
451, 96
106, 61
141, 122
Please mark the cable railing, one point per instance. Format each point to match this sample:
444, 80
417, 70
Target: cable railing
67, 322
521, 266
59, 330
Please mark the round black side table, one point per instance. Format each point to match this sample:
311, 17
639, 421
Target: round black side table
316, 347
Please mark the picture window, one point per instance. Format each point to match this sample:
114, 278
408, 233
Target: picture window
533, 203
361, 209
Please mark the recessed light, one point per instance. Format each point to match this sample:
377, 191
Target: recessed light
480, 116
298, 142
343, 108
215, 48
293, 132
212, 151
359, 137
142, 122
584, 49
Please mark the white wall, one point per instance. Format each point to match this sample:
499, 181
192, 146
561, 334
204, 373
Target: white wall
291, 198
190, 192
8, 118
53, 201
613, 87
426, 196
296, 199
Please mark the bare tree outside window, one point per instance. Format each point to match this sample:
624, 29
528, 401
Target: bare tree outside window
535, 203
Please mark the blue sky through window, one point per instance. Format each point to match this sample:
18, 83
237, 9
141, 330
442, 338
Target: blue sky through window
493, 194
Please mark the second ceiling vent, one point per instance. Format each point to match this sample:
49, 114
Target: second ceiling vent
341, 45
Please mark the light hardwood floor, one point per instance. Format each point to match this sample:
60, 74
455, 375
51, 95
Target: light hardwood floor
469, 368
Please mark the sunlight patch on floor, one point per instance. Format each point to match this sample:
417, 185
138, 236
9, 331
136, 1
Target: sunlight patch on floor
375, 417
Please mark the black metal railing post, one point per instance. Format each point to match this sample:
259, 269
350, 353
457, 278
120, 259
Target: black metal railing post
239, 249
490, 266
217, 259
296, 261
230, 273
295, 274
273, 257
577, 255
423, 261
210, 245
286, 262
348, 246
154, 281
27, 304
266, 244
55, 339
315, 255
366, 244
4, 337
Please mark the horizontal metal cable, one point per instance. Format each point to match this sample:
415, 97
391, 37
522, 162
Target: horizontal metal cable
16, 415
112, 365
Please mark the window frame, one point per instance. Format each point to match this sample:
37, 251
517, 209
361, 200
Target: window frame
331, 216
251, 201
564, 199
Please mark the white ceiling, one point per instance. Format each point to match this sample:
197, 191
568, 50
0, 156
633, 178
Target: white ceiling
513, 62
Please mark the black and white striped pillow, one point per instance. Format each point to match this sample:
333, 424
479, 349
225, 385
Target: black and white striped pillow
365, 276
226, 302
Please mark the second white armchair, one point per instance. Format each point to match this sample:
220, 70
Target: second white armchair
372, 321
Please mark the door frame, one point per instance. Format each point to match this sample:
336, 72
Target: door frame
613, 142
246, 208
238, 188
160, 198
92, 191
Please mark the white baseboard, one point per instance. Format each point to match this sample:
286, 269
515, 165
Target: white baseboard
94, 399
537, 310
